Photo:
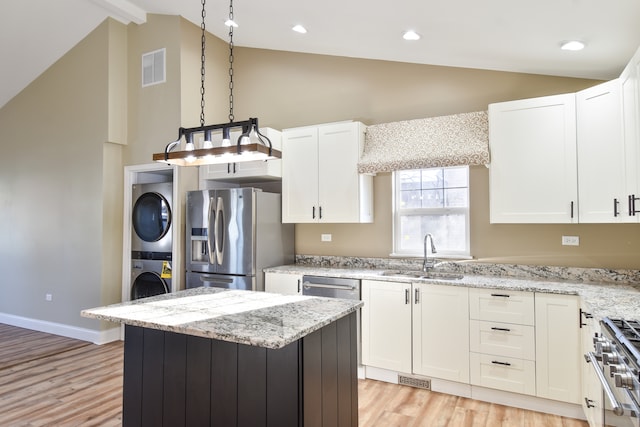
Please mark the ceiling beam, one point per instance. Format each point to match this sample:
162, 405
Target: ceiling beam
123, 11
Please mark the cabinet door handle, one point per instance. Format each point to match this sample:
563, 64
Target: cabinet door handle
320, 212
572, 210
585, 315
501, 295
228, 167
417, 296
493, 328
299, 285
495, 362
313, 213
615, 207
632, 204
407, 296
589, 403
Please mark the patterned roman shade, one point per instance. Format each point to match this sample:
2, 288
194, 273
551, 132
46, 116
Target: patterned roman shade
459, 139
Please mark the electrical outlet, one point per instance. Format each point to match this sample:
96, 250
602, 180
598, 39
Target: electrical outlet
571, 240
325, 237
48, 297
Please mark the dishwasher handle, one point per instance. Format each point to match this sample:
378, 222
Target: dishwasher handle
311, 285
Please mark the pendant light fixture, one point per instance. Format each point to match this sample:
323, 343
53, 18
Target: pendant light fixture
251, 145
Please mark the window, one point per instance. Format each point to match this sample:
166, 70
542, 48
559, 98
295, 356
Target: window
436, 201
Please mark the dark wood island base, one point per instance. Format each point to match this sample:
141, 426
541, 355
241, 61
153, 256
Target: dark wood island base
173, 379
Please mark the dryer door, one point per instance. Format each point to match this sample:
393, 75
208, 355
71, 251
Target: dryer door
148, 284
151, 217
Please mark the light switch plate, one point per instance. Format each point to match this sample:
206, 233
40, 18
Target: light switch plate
325, 237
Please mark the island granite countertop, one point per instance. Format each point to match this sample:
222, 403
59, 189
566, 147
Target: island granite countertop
602, 299
254, 318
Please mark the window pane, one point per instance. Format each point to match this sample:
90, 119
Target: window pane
411, 234
448, 231
456, 177
410, 199
434, 201
432, 178
409, 180
432, 198
456, 198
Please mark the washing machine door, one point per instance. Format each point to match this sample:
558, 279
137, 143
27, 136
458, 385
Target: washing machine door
148, 284
151, 217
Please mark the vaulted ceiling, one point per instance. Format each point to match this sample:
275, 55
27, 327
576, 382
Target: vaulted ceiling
520, 36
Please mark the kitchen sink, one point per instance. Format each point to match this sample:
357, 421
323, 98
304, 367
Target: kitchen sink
436, 275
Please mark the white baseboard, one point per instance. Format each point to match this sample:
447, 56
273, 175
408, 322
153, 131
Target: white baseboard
84, 334
500, 397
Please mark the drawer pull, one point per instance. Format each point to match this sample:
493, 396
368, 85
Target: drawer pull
495, 362
493, 328
501, 295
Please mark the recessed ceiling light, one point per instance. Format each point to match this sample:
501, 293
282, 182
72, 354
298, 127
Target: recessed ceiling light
411, 35
230, 23
572, 45
300, 29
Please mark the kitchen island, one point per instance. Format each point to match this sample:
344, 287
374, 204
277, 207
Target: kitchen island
208, 356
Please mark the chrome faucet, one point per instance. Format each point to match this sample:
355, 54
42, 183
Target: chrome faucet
426, 265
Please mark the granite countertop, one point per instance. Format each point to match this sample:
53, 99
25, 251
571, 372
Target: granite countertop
602, 299
254, 318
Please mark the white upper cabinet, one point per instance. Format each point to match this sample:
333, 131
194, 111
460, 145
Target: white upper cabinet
568, 158
533, 172
601, 154
630, 94
320, 180
247, 171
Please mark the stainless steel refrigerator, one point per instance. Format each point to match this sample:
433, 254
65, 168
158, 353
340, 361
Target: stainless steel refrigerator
232, 235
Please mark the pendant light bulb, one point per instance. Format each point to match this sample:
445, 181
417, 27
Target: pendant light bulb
207, 143
226, 137
190, 146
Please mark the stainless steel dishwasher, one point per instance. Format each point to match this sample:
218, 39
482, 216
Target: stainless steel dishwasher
332, 287
336, 287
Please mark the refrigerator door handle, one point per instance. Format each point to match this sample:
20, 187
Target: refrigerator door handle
211, 234
219, 232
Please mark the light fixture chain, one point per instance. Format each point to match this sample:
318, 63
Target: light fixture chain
202, 64
231, 116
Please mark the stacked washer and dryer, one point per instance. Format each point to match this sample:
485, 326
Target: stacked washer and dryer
151, 239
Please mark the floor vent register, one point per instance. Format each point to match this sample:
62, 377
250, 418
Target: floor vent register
414, 382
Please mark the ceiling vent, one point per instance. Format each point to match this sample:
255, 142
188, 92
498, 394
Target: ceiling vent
153, 67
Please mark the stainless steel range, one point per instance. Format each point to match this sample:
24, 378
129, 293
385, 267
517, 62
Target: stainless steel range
616, 362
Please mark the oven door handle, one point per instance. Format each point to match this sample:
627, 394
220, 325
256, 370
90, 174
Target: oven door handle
616, 407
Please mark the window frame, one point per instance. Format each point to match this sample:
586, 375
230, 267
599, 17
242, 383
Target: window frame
398, 214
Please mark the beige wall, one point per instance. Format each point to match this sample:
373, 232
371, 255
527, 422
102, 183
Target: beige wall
156, 112
287, 89
58, 234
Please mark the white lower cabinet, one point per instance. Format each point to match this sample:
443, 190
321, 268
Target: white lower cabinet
503, 340
386, 325
283, 283
558, 350
503, 373
506, 339
515, 341
431, 319
441, 331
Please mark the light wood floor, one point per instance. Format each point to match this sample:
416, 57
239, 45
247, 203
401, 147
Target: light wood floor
47, 380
